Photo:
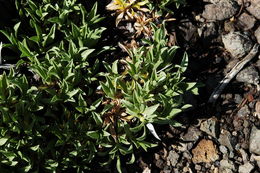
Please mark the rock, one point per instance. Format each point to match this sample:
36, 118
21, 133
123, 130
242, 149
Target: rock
244, 155
210, 127
176, 170
172, 158
147, 170
254, 8
226, 166
237, 44
229, 26
246, 168
197, 167
248, 75
225, 139
167, 169
254, 144
231, 155
184, 146
186, 169
234, 133
220, 10
244, 111
207, 165
229, 96
238, 123
223, 149
158, 161
257, 34
246, 21
205, 151
209, 32
255, 158
187, 155
238, 98
246, 123
188, 29
192, 134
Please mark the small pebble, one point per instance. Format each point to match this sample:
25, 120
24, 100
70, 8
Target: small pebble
197, 167
234, 133
238, 98
246, 123
223, 149
231, 155
207, 165
229, 96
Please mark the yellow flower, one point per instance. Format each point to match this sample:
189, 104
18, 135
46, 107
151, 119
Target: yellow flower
126, 8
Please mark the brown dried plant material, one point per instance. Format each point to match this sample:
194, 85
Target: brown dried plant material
205, 151
257, 109
126, 9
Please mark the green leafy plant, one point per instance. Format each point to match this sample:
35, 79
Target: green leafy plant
64, 111
47, 117
149, 90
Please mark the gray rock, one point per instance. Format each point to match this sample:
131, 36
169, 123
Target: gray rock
220, 10
244, 111
254, 8
246, 168
225, 139
192, 134
207, 165
187, 155
248, 75
188, 29
209, 32
244, 155
257, 34
238, 98
255, 158
184, 146
257, 64
226, 166
197, 167
223, 149
172, 158
231, 155
246, 123
210, 127
246, 21
254, 144
237, 44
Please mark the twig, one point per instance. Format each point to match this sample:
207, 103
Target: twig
241, 8
239, 66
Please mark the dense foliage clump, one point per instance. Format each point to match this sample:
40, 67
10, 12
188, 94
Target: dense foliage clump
63, 105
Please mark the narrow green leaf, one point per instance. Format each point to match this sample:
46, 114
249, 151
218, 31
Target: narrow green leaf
118, 164
85, 54
150, 110
3, 141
